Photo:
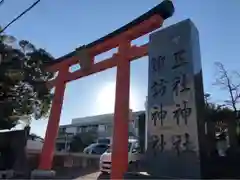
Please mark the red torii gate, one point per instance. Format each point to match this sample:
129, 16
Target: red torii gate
84, 55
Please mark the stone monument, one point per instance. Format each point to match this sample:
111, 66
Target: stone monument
175, 103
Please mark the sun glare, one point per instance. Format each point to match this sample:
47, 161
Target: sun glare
106, 99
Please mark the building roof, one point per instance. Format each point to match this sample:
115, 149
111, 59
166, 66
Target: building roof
103, 118
95, 120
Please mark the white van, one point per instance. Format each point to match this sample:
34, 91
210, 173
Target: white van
133, 156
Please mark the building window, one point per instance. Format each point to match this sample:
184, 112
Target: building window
62, 130
108, 127
102, 128
84, 129
79, 129
93, 128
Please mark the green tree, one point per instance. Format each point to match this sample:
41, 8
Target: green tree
216, 112
23, 90
76, 144
33, 136
82, 140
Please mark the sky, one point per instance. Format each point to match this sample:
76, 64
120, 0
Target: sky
60, 26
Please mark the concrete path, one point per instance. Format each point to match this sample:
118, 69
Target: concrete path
95, 176
89, 176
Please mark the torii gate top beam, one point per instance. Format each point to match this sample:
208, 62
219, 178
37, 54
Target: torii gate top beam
131, 31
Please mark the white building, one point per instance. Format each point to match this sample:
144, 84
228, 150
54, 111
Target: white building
101, 124
34, 144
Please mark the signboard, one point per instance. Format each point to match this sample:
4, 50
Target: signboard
175, 94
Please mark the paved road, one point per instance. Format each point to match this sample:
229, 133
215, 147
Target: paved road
95, 176
89, 176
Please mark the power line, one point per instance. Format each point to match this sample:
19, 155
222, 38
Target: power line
1, 2
19, 16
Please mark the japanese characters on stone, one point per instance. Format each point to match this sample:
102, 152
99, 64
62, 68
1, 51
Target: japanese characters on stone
158, 114
160, 85
159, 88
182, 143
179, 143
158, 63
182, 112
158, 143
173, 99
180, 84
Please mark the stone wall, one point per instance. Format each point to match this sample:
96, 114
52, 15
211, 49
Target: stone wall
12, 148
69, 165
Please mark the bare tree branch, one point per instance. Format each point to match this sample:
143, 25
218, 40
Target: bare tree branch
230, 83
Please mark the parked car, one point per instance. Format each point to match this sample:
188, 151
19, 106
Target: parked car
133, 156
106, 140
96, 148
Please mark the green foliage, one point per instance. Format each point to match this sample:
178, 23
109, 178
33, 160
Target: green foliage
34, 136
23, 90
216, 112
82, 140
76, 144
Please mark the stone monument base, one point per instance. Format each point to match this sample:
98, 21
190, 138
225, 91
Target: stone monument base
43, 174
169, 165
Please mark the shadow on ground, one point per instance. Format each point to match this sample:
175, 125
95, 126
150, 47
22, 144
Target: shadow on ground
103, 176
73, 173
